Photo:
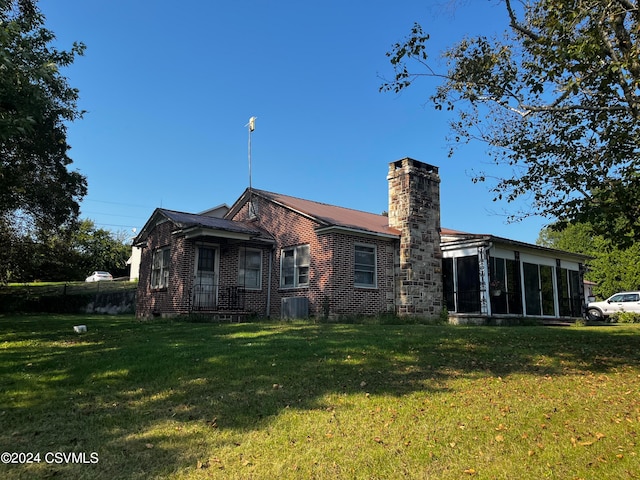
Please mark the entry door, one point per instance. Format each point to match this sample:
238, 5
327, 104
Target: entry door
205, 288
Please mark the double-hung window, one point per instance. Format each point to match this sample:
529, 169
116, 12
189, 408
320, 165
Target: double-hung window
160, 268
250, 268
364, 273
294, 267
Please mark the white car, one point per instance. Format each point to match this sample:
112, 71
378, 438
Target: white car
620, 302
99, 276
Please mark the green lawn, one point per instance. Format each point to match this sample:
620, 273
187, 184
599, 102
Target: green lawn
300, 400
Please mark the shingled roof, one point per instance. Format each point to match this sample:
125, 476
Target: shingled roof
191, 222
332, 216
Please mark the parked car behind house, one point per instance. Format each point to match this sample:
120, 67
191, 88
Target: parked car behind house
98, 276
620, 302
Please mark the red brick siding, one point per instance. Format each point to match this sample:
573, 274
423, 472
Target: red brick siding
174, 299
331, 264
351, 299
331, 272
255, 301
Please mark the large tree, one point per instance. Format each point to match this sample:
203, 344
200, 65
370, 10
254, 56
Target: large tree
36, 102
70, 253
557, 99
613, 269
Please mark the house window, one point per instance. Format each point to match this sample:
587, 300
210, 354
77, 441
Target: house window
364, 266
160, 268
294, 267
250, 268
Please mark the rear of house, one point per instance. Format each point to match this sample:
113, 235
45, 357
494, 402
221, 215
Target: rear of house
274, 255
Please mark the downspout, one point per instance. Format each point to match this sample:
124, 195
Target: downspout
268, 312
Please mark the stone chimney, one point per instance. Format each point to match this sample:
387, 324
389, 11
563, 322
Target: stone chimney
414, 209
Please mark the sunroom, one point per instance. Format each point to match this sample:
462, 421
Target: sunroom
487, 277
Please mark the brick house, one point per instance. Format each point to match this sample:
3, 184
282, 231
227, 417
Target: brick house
277, 256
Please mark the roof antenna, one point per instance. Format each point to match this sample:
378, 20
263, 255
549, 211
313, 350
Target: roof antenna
252, 127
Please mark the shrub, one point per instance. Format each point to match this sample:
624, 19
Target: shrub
626, 317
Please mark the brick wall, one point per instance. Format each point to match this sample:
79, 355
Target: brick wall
255, 301
331, 289
174, 299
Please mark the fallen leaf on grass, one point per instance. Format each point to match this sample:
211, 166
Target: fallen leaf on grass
212, 423
470, 471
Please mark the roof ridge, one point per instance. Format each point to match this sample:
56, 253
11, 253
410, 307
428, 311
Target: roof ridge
317, 202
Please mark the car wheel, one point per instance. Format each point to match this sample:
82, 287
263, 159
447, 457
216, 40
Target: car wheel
595, 314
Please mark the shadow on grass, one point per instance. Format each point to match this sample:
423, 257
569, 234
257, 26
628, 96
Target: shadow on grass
106, 390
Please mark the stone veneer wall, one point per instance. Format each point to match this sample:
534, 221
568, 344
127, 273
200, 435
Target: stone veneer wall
414, 209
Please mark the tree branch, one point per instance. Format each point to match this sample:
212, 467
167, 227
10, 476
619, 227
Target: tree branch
516, 25
626, 89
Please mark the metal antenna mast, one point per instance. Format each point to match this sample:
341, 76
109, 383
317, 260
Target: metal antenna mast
252, 127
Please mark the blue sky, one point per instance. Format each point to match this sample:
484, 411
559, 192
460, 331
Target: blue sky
169, 87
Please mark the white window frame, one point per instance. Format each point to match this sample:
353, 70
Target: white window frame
374, 252
301, 266
242, 268
160, 268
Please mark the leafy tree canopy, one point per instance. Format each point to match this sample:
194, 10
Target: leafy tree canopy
557, 99
35, 102
613, 269
70, 253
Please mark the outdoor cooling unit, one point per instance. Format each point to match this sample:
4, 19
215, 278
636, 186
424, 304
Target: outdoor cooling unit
294, 307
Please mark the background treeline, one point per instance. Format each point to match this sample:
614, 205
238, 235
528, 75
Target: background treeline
70, 252
613, 268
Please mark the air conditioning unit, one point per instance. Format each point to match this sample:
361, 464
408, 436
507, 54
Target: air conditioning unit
294, 307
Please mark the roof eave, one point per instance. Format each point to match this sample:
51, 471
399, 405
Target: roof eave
199, 231
472, 240
355, 231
